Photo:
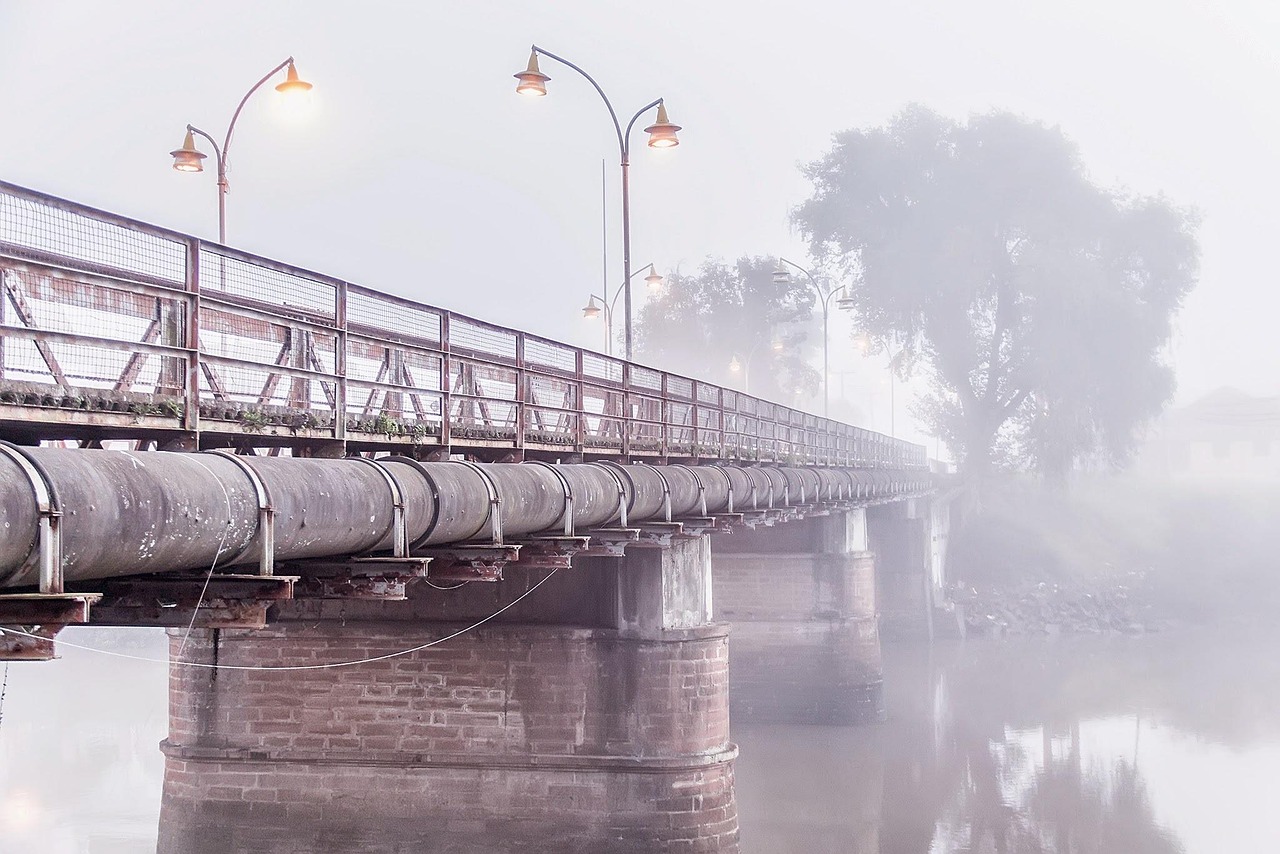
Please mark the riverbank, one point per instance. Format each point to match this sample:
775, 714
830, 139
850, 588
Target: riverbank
1116, 554
1123, 604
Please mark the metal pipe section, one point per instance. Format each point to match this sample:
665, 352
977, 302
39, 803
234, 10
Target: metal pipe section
132, 513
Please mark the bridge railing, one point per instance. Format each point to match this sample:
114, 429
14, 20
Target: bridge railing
111, 327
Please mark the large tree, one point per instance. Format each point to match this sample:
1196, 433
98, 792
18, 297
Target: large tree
1038, 303
702, 322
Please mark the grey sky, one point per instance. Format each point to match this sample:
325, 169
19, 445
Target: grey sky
421, 172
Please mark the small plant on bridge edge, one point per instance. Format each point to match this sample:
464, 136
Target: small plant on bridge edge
252, 421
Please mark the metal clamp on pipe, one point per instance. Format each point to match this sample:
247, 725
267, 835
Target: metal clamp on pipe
266, 515
729, 484
434, 489
666, 490
617, 472
49, 538
702, 490
566, 515
399, 533
495, 501
769, 480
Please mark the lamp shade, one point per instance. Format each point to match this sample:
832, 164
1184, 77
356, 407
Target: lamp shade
662, 133
532, 80
591, 311
653, 280
292, 83
781, 276
188, 158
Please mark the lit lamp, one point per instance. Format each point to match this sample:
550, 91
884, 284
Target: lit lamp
662, 134
532, 81
188, 158
591, 311
653, 280
292, 85
735, 365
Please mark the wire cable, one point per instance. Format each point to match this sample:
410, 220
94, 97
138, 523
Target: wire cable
221, 545
326, 666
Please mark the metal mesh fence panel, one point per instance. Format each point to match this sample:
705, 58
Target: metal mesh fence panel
36, 228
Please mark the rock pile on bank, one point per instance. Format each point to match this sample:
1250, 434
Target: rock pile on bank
1110, 604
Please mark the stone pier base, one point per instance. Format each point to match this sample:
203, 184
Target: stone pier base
806, 647
511, 737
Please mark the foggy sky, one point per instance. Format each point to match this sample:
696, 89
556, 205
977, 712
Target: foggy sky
420, 171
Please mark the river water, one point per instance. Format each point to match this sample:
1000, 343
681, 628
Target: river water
1097, 745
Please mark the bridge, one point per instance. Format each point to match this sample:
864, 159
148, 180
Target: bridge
421, 566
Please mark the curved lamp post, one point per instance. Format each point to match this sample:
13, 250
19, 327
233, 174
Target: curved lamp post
744, 366
591, 311
867, 345
188, 158
782, 276
662, 134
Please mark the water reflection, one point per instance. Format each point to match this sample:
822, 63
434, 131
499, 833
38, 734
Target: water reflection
1085, 745
79, 766
1074, 745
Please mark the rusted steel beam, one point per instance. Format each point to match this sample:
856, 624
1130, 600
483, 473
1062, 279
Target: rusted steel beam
381, 578
29, 609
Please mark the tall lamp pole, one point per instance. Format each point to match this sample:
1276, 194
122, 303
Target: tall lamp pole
188, 158
591, 311
782, 276
662, 134
745, 365
892, 365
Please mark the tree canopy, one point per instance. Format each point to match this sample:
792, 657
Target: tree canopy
1038, 304
703, 322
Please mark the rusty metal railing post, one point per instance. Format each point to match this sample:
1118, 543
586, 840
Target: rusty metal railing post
340, 364
446, 380
191, 395
521, 418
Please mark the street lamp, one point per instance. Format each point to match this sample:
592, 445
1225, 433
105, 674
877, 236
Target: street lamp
188, 158
782, 276
744, 367
591, 311
662, 134
867, 345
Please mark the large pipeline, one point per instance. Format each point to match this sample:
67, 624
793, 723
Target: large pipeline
131, 513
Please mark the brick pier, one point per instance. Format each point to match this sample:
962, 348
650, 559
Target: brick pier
593, 717
801, 599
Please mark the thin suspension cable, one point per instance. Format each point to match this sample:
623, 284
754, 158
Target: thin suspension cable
4, 689
226, 496
326, 666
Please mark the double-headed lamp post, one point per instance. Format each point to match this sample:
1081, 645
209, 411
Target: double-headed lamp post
867, 345
591, 311
744, 366
782, 276
662, 134
188, 158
